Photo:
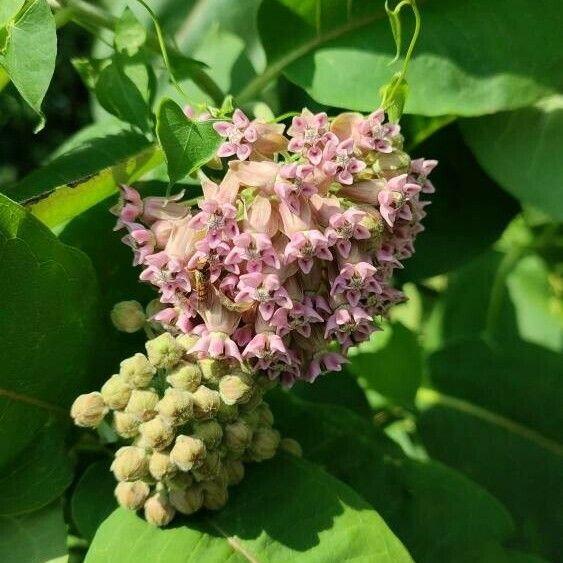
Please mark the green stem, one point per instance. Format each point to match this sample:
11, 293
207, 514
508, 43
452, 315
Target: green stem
87, 16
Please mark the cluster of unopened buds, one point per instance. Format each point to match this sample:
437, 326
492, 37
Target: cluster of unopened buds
191, 425
287, 260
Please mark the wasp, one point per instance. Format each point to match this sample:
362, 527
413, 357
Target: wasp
202, 277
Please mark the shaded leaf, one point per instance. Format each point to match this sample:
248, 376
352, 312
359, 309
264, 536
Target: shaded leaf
321, 519
8, 10
130, 34
30, 52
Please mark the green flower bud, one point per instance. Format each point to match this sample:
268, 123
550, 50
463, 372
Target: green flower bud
180, 481
206, 403
227, 413
185, 376
161, 466
264, 414
88, 410
209, 432
116, 392
130, 464
187, 501
389, 165
254, 400
213, 370
158, 510
156, 433
128, 316
263, 382
236, 388
209, 468
187, 452
137, 370
176, 406
142, 403
153, 307
237, 437
291, 446
187, 341
132, 495
250, 417
215, 495
234, 469
126, 424
265, 442
163, 351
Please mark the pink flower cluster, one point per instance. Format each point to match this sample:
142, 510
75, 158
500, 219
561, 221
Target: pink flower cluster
287, 261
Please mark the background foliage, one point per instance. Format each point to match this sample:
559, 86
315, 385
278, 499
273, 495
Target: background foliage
442, 439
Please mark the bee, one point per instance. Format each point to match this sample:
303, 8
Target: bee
202, 277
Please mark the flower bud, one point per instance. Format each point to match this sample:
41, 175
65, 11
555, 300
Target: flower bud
212, 370
160, 466
137, 370
264, 444
116, 392
163, 351
227, 413
187, 341
264, 414
291, 446
128, 316
180, 481
130, 464
187, 452
156, 433
185, 376
206, 403
132, 495
142, 403
215, 495
254, 400
389, 165
234, 469
236, 388
209, 468
158, 510
209, 432
176, 406
126, 424
187, 501
88, 410
237, 437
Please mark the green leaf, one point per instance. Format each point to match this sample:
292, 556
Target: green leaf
130, 34
496, 416
438, 514
468, 211
8, 10
187, 144
469, 60
521, 150
38, 475
49, 303
33, 538
307, 515
30, 53
95, 164
93, 501
390, 364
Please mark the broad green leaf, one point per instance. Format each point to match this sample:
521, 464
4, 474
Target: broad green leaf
306, 515
470, 59
39, 474
92, 500
521, 150
187, 144
30, 52
36, 537
496, 416
468, 211
130, 34
438, 514
49, 303
390, 364
8, 10
89, 172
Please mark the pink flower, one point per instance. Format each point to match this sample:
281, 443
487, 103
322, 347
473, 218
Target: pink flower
308, 132
255, 250
354, 280
305, 246
299, 319
339, 161
420, 169
347, 321
268, 348
375, 135
345, 227
130, 206
141, 240
217, 218
394, 197
264, 289
240, 135
296, 182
